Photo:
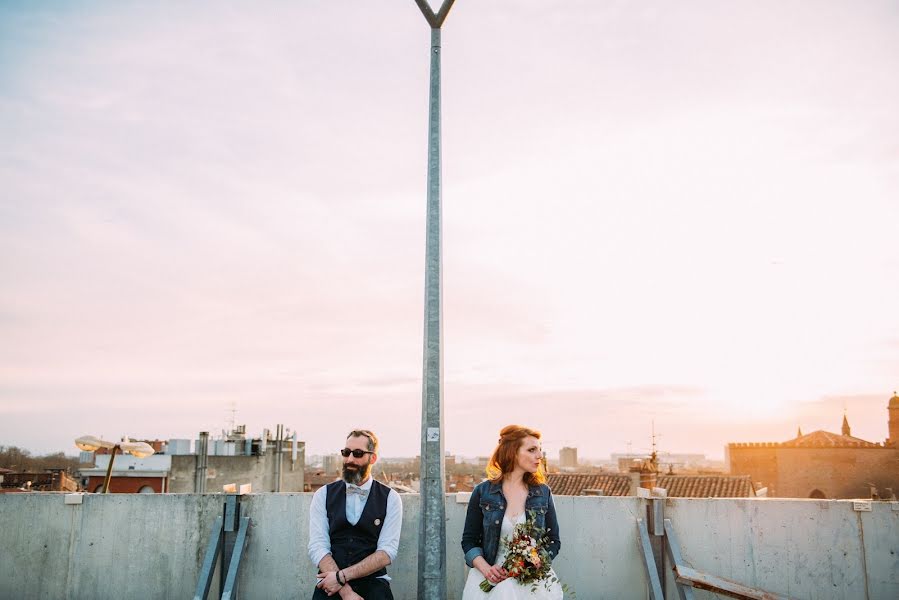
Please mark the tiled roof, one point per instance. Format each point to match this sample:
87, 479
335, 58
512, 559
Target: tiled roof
573, 484
815, 439
678, 486
706, 486
826, 439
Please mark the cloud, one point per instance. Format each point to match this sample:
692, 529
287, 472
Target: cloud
207, 204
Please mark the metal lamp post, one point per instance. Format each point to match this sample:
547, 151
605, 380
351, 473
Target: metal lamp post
108, 477
432, 536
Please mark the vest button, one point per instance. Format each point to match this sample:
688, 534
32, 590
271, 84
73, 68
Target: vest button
497, 521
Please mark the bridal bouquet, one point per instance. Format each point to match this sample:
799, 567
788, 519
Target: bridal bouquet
527, 559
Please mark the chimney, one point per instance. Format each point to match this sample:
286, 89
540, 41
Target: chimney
649, 471
201, 464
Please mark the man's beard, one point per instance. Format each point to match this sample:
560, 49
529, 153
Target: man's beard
356, 476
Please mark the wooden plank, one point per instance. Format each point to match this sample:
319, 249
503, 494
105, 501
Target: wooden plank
719, 585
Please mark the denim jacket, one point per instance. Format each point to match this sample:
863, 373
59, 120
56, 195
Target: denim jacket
485, 517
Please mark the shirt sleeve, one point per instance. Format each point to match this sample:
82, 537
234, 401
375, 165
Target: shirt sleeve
389, 539
319, 540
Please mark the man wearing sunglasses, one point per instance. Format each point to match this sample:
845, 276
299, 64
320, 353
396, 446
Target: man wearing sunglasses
354, 527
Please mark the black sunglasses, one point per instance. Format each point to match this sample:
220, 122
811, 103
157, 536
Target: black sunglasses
356, 453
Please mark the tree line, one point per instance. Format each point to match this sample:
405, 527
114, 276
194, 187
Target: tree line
21, 460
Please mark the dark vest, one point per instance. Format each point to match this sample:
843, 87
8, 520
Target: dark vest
352, 543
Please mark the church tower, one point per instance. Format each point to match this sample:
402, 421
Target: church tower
845, 429
893, 408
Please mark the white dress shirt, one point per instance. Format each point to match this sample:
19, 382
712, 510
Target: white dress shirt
320, 539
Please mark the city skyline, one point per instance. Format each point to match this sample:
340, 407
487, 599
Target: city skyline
683, 214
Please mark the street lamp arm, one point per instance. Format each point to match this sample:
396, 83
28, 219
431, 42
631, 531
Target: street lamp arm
108, 478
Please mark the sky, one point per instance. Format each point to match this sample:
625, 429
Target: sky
680, 215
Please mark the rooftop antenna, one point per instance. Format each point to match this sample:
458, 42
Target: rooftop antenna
654, 457
232, 421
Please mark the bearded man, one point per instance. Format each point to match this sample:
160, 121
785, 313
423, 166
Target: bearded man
354, 527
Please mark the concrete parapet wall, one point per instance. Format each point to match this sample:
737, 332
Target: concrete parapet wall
110, 546
151, 546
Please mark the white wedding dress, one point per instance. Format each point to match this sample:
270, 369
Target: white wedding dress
509, 589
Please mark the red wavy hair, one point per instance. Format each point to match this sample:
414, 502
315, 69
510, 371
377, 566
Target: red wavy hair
505, 455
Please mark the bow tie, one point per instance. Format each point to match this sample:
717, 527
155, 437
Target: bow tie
355, 489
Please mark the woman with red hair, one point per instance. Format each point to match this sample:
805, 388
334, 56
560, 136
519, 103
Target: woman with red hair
515, 489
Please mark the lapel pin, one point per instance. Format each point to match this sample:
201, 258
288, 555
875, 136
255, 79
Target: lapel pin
377, 522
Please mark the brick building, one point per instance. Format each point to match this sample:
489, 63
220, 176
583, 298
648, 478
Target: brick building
823, 464
130, 475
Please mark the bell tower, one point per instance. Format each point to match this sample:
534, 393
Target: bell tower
893, 408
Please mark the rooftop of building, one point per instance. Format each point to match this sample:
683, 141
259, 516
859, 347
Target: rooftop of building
820, 439
574, 484
707, 486
677, 486
828, 439
815, 439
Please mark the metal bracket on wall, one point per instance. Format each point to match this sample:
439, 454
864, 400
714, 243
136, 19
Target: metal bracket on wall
655, 584
686, 577
228, 539
651, 535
